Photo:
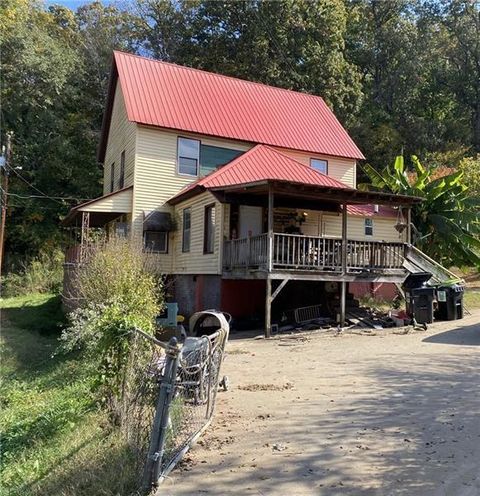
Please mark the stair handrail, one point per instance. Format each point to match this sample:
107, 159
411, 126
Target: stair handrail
434, 262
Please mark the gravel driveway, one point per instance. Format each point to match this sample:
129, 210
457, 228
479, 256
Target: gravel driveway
383, 414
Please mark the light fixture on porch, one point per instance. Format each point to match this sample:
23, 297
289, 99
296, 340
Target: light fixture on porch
401, 224
300, 217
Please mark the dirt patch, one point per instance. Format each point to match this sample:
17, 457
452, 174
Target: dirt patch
390, 415
266, 387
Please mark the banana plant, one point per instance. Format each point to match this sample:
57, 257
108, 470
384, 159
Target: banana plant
447, 222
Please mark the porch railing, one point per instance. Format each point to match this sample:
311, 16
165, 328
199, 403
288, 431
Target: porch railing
246, 252
297, 252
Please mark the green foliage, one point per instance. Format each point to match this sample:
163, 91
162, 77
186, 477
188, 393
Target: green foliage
55, 71
118, 293
470, 166
54, 439
398, 73
447, 221
43, 274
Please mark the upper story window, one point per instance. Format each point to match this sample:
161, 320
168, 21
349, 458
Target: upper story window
121, 181
320, 165
187, 223
368, 227
209, 229
112, 177
188, 156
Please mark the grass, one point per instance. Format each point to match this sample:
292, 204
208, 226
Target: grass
472, 298
55, 441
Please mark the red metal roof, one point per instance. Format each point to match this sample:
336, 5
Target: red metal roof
172, 96
262, 163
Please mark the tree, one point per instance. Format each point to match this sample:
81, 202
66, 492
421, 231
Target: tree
55, 68
470, 166
461, 20
447, 222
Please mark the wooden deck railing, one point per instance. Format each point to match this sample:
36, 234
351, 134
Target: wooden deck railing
297, 252
246, 252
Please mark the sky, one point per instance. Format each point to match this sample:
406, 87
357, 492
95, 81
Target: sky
73, 4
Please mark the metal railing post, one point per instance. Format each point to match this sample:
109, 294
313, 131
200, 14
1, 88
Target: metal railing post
161, 419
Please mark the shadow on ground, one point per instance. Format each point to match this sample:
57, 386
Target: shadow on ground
464, 336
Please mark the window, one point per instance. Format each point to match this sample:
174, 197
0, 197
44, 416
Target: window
213, 157
368, 227
156, 241
186, 230
320, 165
121, 181
209, 229
112, 177
188, 156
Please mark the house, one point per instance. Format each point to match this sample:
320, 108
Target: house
239, 187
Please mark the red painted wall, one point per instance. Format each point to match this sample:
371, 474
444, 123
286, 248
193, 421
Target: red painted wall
243, 298
384, 290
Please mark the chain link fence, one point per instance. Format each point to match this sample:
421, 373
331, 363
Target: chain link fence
168, 398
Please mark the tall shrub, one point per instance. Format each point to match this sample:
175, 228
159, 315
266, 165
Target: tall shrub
42, 274
119, 291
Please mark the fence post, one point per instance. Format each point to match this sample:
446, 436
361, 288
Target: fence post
160, 423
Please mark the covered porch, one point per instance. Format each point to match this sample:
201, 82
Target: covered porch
282, 257
86, 219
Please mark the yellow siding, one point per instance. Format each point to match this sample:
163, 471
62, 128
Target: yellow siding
383, 228
156, 178
121, 137
195, 261
343, 169
328, 224
120, 202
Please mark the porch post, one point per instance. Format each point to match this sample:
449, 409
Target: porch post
270, 228
344, 238
84, 234
409, 225
343, 303
343, 294
268, 296
268, 307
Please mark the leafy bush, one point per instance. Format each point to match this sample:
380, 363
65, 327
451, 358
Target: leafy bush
119, 291
447, 222
43, 274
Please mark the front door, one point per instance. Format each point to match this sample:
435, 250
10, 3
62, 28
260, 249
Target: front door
250, 221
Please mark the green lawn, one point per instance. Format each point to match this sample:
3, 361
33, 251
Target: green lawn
55, 441
472, 298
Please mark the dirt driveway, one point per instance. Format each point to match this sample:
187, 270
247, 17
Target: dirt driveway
383, 414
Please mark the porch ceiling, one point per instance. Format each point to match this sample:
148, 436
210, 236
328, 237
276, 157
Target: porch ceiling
307, 196
102, 210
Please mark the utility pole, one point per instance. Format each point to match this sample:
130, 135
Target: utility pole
5, 165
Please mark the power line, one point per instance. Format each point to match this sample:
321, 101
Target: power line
44, 197
31, 185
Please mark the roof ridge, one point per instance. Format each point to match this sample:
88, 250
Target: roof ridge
187, 67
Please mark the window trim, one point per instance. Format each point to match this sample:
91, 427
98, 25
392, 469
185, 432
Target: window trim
184, 249
121, 181
205, 239
178, 156
368, 224
163, 252
112, 177
323, 160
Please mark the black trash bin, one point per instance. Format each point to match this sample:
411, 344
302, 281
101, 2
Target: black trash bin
419, 297
450, 302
